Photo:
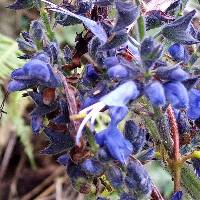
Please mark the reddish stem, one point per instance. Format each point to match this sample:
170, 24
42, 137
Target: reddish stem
176, 148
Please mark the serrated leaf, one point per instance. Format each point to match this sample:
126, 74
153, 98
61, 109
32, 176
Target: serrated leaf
8, 56
59, 142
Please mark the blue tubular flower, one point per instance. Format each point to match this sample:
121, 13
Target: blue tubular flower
36, 123
196, 165
135, 135
179, 53
127, 14
119, 97
90, 72
111, 62
171, 73
177, 196
17, 85
137, 179
92, 167
117, 114
118, 72
176, 94
37, 69
115, 176
155, 92
119, 148
35, 72
126, 196
178, 31
194, 104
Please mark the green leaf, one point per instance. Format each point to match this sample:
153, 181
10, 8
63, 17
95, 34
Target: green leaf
8, 56
190, 182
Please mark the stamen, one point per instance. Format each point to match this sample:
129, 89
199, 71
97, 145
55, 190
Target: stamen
97, 108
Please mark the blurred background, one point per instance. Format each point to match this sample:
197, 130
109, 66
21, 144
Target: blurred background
24, 173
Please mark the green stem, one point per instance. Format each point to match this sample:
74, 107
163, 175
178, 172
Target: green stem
46, 21
140, 23
190, 182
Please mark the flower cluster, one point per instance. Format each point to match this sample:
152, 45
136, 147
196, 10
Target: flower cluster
144, 87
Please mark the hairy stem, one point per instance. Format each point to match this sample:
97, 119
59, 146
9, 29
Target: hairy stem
140, 23
176, 153
46, 21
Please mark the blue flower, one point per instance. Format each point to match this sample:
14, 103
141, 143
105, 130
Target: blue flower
194, 104
155, 92
115, 176
179, 53
92, 167
118, 72
111, 61
119, 148
176, 94
137, 179
36, 123
90, 72
135, 135
196, 165
33, 73
119, 97
177, 196
174, 73
126, 196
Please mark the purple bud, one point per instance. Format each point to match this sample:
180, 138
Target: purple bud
176, 94
172, 73
138, 180
37, 69
118, 72
67, 54
155, 92
135, 135
111, 61
126, 196
92, 167
179, 53
36, 123
36, 31
26, 47
194, 104
115, 177
150, 52
177, 196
